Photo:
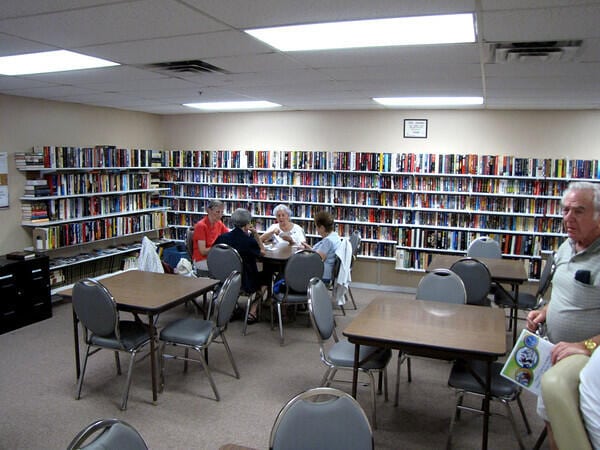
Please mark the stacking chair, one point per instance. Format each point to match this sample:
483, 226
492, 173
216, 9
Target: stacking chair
440, 285
476, 278
355, 241
222, 260
108, 433
97, 311
324, 418
461, 378
340, 354
484, 247
300, 268
525, 300
197, 334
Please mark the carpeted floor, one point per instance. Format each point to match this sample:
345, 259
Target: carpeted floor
37, 379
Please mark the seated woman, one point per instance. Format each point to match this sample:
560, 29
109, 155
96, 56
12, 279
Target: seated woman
327, 246
206, 232
284, 230
246, 241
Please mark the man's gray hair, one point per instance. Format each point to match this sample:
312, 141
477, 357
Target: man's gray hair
585, 186
241, 217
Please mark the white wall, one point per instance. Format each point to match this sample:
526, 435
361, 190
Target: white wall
27, 122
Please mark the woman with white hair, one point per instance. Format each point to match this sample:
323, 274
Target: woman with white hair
284, 230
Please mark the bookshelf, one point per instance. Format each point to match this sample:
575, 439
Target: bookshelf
407, 206
89, 207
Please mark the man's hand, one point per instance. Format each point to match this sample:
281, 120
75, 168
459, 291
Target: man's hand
564, 349
535, 318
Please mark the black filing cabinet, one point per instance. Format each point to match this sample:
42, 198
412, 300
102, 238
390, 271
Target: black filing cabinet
24, 292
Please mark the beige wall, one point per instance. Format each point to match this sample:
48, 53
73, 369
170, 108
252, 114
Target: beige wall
521, 133
26, 122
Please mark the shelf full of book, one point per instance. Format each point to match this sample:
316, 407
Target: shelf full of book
82, 201
406, 206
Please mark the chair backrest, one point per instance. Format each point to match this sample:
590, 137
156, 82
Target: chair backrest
95, 307
442, 285
484, 247
223, 259
320, 308
227, 298
189, 242
355, 241
476, 278
321, 418
108, 433
300, 268
546, 276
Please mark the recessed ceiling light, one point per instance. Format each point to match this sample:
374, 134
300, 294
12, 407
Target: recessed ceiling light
232, 106
421, 30
45, 62
415, 102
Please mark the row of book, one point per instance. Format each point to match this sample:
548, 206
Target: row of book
473, 164
58, 236
98, 156
97, 182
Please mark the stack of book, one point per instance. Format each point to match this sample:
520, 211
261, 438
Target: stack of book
29, 160
36, 188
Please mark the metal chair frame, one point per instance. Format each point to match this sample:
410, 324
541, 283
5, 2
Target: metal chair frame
299, 270
340, 356
337, 422
97, 311
187, 331
109, 433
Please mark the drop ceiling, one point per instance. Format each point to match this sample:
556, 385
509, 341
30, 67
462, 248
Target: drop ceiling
139, 34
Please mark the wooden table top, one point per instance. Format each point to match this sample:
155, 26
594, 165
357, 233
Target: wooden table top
139, 290
501, 269
434, 329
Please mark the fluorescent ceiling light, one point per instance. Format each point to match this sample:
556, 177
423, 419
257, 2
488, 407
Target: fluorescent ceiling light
232, 106
429, 101
45, 62
439, 29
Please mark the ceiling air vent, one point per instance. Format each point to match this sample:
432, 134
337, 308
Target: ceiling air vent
194, 66
541, 51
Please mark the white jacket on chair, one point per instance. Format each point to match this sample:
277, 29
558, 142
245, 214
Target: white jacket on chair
341, 283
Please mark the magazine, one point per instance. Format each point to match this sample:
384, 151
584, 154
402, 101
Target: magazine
528, 360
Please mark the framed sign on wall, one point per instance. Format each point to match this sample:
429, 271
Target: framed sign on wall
415, 128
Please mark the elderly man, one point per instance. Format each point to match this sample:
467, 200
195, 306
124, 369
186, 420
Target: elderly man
572, 316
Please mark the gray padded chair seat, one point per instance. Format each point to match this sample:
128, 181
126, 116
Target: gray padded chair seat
189, 331
108, 434
342, 354
133, 334
461, 378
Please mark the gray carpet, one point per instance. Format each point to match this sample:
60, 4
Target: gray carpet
39, 410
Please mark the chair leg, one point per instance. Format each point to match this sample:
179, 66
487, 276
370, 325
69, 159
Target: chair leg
230, 355
118, 363
280, 323
352, 297
454, 418
209, 376
161, 359
541, 438
80, 381
401, 358
513, 424
128, 382
325, 379
373, 400
525, 421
